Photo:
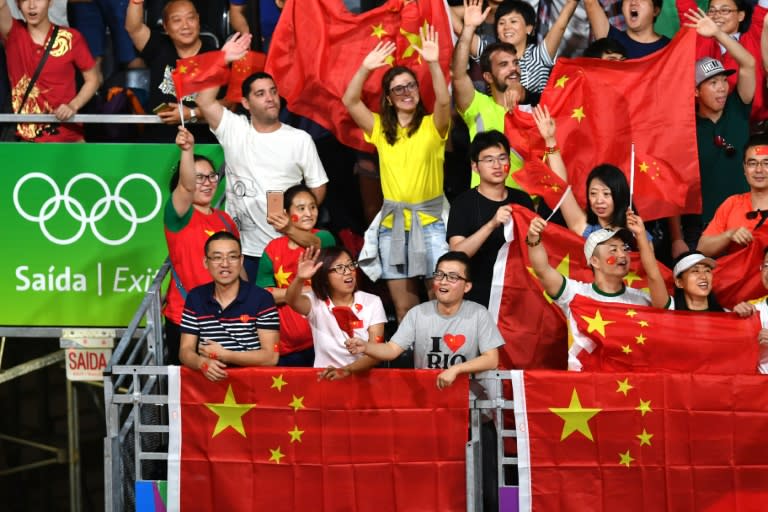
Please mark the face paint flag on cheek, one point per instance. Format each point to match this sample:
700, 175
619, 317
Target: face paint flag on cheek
506, 168
294, 218
611, 260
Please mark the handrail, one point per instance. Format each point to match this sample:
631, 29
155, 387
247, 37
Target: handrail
83, 118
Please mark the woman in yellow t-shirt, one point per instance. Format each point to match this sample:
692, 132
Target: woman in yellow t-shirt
411, 147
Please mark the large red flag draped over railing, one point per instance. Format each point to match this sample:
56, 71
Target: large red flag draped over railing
641, 441
625, 337
200, 72
318, 46
277, 439
602, 107
534, 328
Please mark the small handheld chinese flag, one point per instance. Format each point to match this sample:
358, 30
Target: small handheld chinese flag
200, 72
242, 68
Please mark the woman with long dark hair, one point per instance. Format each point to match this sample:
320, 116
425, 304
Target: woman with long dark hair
693, 283
411, 146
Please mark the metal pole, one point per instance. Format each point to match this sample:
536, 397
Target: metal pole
73, 426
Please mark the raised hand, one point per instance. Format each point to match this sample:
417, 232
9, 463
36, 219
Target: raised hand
185, 140
704, 25
544, 122
635, 224
378, 55
430, 49
236, 47
474, 15
308, 264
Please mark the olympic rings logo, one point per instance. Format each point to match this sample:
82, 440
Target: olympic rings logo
77, 211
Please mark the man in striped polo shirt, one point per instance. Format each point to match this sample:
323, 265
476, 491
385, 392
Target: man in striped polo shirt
229, 322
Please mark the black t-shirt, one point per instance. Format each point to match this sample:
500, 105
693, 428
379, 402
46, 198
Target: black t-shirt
161, 56
469, 212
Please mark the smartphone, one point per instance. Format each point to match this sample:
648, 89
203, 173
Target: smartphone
274, 202
161, 108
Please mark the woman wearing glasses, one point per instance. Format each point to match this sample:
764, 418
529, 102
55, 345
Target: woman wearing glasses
277, 270
189, 218
409, 235
335, 308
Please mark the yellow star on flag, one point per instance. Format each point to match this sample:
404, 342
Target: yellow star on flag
276, 455
295, 434
561, 81
278, 382
379, 31
390, 60
631, 313
208, 232
230, 413
631, 277
643, 167
626, 349
596, 323
625, 458
643, 323
644, 407
578, 114
640, 339
182, 69
576, 417
414, 40
645, 438
281, 277
624, 386
297, 403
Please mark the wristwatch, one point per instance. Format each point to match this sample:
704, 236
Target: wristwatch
192, 115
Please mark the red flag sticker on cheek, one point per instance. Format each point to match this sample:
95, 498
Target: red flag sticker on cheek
611, 260
295, 218
506, 168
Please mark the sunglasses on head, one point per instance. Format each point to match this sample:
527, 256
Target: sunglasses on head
723, 144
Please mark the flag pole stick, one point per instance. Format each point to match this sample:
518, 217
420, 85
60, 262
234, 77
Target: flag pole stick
632, 175
559, 203
181, 116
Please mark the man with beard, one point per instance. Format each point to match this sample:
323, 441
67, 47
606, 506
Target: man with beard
607, 253
483, 112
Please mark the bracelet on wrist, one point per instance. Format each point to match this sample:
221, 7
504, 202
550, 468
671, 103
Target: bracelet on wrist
532, 244
551, 150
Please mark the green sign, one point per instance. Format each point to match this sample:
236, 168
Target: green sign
84, 230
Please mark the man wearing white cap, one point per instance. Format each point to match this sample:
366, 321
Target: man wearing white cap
606, 251
741, 214
722, 129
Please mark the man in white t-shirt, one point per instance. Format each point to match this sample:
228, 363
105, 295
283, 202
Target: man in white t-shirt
261, 154
607, 253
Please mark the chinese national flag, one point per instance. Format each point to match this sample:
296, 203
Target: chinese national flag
737, 275
535, 176
199, 72
534, 328
602, 107
277, 439
249, 64
318, 46
639, 442
625, 337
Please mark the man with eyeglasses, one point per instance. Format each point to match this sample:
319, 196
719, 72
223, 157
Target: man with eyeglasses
229, 322
477, 217
741, 214
607, 254
189, 220
722, 129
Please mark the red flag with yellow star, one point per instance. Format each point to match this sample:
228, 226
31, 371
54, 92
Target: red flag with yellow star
602, 107
623, 337
249, 64
318, 46
638, 442
200, 72
534, 328
277, 439
737, 275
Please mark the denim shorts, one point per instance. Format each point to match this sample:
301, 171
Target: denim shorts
434, 240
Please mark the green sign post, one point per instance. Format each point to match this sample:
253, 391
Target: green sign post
84, 230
